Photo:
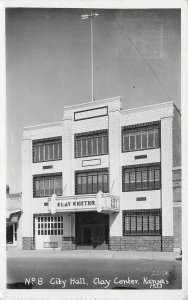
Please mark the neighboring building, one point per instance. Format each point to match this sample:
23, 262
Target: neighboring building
101, 178
177, 208
13, 227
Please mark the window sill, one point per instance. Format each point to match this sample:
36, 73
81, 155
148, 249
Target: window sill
90, 193
93, 155
136, 234
43, 161
35, 197
158, 189
136, 150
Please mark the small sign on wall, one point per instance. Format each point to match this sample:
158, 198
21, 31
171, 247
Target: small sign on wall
91, 113
91, 162
141, 199
14, 219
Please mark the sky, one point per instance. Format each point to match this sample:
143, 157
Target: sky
48, 65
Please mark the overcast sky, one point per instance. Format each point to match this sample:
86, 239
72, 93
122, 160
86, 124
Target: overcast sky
136, 56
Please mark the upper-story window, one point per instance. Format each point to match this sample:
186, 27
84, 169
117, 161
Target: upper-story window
47, 184
90, 144
137, 178
140, 137
47, 149
91, 182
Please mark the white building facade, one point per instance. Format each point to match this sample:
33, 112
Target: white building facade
101, 178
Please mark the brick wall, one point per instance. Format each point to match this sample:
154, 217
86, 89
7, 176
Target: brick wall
69, 243
177, 184
27, 243
178, 227
177, 210
135, 243
141, 243
167, 243
166, 176
177, 194
176, 138
115, 243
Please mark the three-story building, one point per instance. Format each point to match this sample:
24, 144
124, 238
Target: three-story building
101, 178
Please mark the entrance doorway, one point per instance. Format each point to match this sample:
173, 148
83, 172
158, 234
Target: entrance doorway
86, 238
11, 233
92, 230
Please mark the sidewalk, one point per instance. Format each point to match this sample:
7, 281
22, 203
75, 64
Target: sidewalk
100, 254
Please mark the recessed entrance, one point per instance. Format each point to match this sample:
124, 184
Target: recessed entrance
86, 235
11, 233
92, 230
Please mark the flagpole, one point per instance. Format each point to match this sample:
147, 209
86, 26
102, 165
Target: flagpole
84, 17
92, 98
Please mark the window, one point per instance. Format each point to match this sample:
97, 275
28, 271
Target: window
91, 182
47, 185
146, 177
47, 149
91, 144
50, 225
142, 222
144, 137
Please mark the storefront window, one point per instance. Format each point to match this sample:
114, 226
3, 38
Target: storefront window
142, 222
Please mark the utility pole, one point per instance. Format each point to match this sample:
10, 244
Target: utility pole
84, 17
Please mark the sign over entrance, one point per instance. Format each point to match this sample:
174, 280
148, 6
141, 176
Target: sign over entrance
104, 203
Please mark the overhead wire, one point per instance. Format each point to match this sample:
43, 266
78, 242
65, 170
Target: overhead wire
142, 56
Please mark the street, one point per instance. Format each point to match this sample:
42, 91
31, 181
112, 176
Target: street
100, 271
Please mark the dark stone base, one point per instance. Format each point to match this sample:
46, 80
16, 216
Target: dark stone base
135, 243
69, 243
167, 243
28, 243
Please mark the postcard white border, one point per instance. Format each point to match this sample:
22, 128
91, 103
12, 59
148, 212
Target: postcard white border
95, 294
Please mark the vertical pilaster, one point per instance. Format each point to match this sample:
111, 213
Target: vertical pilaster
27, 184
166, 183
68, 174
115, 220
67, 141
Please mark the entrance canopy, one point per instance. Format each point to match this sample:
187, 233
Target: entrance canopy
101, 202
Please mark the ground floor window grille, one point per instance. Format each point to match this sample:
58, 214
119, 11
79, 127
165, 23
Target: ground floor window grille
50, 225
142, 222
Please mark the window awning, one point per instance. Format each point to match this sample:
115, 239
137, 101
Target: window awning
11, 212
